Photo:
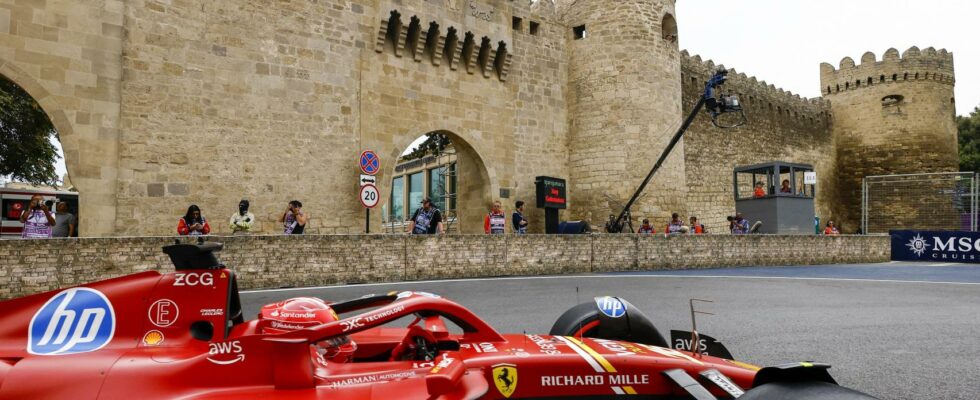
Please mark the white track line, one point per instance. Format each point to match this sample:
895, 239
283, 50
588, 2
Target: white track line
617, 276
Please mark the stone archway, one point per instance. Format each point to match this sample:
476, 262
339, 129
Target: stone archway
475, 181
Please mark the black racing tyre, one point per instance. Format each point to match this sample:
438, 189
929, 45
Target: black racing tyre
585, 320
809, 390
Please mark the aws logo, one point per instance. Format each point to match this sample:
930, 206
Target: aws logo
77, 320
225, 353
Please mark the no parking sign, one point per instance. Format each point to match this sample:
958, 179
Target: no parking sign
370, 163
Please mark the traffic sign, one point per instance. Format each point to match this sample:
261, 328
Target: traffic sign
370, 163
368, 180
370, 197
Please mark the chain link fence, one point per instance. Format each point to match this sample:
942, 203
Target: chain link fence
936, 201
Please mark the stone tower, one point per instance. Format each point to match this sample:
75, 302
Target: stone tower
894, 116
625, 104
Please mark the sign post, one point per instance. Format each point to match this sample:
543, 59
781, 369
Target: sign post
551, 196
370, 164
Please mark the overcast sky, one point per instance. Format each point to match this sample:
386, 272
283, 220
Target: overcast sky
784, 41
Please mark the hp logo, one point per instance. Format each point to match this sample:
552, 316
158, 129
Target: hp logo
77, 320
611, 306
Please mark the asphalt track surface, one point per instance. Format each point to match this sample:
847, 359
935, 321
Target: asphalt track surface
895, 330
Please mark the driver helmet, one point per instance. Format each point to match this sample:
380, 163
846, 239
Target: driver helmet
306, 312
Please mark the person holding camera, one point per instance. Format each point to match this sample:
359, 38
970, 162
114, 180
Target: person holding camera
293, 220
193, 223
241, 222
37, 219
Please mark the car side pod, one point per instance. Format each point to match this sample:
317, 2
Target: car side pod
799, 381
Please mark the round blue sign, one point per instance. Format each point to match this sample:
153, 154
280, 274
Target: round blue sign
370, 163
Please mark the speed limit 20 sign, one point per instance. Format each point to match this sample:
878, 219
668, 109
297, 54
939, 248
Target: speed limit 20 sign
370, 197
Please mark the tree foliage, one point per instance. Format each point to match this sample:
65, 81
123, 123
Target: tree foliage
969, 138
26, 152
434, 144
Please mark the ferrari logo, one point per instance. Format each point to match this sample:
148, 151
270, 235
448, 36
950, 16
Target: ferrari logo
505, 378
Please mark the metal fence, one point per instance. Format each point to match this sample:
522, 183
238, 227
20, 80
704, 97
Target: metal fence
936, 201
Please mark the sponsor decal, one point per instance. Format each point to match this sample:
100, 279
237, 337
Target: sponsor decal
723, 382
485, 347
445, 363
77, 320
619, 348
505, 379
193, 279
935, 245
223, 275
290, 314
211, 312
379, 378
359, 322
611, 306
281, 325
671, 353
595, 380
163, 313
546, 346
153, 338
225, 353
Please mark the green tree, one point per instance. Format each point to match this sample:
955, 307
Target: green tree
434, 144
26, 152
969, 138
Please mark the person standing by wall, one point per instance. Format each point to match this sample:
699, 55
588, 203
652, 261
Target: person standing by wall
740, 225
65, 222
427, 220
495, 222
520, 223
293, 220
697, 228
37, 219
831, 229
241, 222
193, 223
675, 225
646, 228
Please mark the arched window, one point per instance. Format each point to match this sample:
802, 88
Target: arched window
870, 81
882, 79
894, 77
669, 27
838, 88
828, 89
905, 77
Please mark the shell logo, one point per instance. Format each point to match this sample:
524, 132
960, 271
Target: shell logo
153, 338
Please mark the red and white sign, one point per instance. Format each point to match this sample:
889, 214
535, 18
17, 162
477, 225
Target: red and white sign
370, 197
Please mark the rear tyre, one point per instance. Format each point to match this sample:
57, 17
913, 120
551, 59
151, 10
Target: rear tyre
810, 390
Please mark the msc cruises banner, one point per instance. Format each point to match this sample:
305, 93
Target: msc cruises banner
949, 246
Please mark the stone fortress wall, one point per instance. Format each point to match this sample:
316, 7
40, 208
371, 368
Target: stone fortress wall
164, 103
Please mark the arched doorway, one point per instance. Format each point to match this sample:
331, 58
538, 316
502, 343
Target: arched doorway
31, 162
443, 167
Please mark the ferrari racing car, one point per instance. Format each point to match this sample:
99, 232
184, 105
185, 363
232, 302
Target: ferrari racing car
182, 335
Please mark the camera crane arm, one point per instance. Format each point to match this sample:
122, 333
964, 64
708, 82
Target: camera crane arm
715, 107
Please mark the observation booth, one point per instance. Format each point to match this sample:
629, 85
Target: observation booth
785, 202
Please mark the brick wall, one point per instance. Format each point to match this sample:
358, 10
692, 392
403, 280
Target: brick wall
28, 267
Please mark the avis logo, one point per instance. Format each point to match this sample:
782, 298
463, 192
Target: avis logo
225, 353
611, 306
76, 320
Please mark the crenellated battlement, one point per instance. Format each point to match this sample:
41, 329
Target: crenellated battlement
757, 95
911, 65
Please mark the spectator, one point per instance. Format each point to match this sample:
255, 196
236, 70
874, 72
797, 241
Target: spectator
241, 222
785, 188
495, 222
646, 228
696, 227
831, 229
193, 223
759, 191
65, 222
37, 219
740, 225
612, 226
427, 220
675, 225
293, 220
520, 223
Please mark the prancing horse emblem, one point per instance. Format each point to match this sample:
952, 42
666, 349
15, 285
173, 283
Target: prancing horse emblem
505, 378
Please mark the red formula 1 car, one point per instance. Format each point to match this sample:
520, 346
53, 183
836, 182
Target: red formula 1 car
182, 335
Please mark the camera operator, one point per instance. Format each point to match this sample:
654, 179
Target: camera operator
37, 219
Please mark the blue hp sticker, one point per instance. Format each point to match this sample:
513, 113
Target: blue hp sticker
611, 306
77, 320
